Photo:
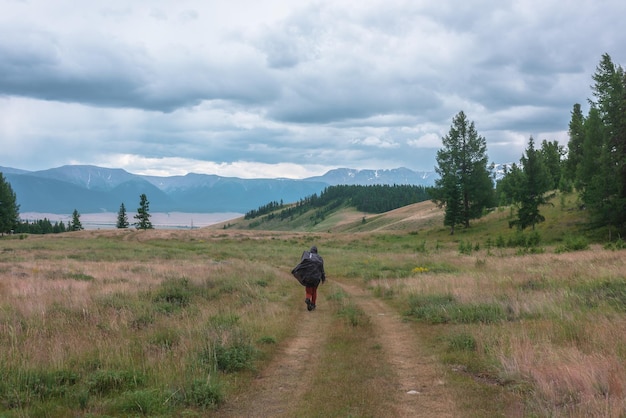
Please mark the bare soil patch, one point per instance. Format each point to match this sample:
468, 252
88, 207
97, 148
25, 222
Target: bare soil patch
278, 389
421, 389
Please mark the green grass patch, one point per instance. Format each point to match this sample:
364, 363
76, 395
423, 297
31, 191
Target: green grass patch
461, 342
353, 314
205, 394
443, 309
143, 402
104, 382
572, 243
605, 292
173, 295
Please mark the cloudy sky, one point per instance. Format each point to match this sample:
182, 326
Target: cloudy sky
283, 88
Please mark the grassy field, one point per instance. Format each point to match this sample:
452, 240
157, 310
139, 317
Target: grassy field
176, 323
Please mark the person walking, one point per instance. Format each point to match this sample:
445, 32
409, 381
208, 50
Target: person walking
310, 273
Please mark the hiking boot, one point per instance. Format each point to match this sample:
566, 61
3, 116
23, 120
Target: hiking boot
309, 305
313, 306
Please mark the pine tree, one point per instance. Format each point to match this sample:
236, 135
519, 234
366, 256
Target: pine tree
143, 213
607, 189
575, 145
76, 225
122, 218
464, 186
535, 181
9, 209
509, 186
592, 145
551, 154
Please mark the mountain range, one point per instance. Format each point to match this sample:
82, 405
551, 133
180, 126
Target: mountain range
92, 189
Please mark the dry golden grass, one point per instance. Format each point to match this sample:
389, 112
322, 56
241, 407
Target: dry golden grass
89, 301
567, 347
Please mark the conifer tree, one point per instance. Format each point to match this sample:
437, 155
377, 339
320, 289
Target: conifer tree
535, 181
122, 218
509, 186
143, 213
575, 145
464, 187
606, 190
589, 163
551, 154
9, 209
76, 225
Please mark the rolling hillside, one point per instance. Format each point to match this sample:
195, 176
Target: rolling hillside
563, 219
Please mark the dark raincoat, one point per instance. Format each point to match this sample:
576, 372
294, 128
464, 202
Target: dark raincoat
310, 270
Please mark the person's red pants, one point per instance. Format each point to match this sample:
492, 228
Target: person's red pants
311, 293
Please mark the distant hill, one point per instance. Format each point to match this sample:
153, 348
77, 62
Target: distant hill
563, 218
91, 189
347, 219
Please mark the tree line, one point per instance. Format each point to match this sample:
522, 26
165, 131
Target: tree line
365, 198
10, 221
45, 226
594, 165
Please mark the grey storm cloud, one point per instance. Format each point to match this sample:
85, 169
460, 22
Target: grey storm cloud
113, 74
371, 84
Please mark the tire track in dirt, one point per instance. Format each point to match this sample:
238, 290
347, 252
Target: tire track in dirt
421, 390
278, 389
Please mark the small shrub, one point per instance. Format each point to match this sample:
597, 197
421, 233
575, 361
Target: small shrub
224, 320
520, 239
42, 385
465, 248
82, 397
534, 239
485, 313
617, 245
173, 295
165, 338
353, 314
235, 356
461, 342
229, 353
141, 402
103, 382
441, 309
267, 340
202, 393
432, 314
577, 243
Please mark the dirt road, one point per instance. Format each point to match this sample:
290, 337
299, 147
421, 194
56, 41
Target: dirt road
420, 389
